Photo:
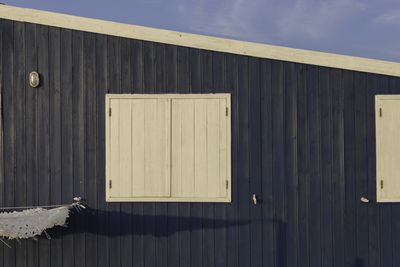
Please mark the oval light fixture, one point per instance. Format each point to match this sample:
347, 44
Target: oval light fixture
34, 79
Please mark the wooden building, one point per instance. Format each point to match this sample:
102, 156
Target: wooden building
271, 171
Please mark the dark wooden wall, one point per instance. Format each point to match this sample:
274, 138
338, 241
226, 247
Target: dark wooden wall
303, 140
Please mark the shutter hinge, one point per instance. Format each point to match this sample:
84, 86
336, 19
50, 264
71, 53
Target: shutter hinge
381, 184
227, 184
226, 111
380, 112
110, 184
109, 112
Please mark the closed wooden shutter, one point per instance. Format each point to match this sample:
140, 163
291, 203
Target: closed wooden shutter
199, 148
168, 148
139, 148
388, 148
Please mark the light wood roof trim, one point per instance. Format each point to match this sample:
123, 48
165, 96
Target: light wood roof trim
200, 41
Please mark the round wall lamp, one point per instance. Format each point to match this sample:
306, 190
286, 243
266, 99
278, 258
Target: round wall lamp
34, 79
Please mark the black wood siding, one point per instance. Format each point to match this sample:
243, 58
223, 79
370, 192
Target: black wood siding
303, 140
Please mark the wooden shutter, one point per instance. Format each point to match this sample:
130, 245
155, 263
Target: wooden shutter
388, 148
138, 141
199, 148
168, 147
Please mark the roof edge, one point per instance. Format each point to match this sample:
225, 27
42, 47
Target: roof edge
200, 41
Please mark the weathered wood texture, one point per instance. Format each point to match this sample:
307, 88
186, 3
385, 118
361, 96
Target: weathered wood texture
303, 141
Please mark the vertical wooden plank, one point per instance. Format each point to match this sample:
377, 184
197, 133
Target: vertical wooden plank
91, 149
126, 208
212, 147
148, 208
351, 198
360, 167
338, 175
66, 137
156, 156
124, 182
176, 147
291, 168
314, 115
220, 231
183, 86
196, 209
368, 110
206, 58
244, 197
200, 147
223, 149
30, 123
268, 244
20, 140
114, 209
304, 166
183, 148
55, 153
171, 82
101, 85
43, 135
137, 208
9, 127
78, 141
326, 165
161, 208
255, 161
231, 69
278, 167
1, 131
115, 171
138, 147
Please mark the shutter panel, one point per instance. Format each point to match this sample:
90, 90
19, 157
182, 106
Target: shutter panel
388, 149
199, 148
139, 148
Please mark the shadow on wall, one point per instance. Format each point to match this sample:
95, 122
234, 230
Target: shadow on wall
119, 223
359, 263
280, 242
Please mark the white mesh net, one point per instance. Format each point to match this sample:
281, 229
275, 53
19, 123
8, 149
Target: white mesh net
31, 222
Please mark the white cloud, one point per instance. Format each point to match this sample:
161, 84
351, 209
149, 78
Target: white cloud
316, 19
391, 17
354, 27
235, 18
262, 20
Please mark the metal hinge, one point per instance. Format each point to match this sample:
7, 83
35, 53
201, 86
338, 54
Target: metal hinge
226, 111
381, 184
227, 184
110, 184
109, 112
380, 112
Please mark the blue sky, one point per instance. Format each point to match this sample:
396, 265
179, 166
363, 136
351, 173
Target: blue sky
365, 28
